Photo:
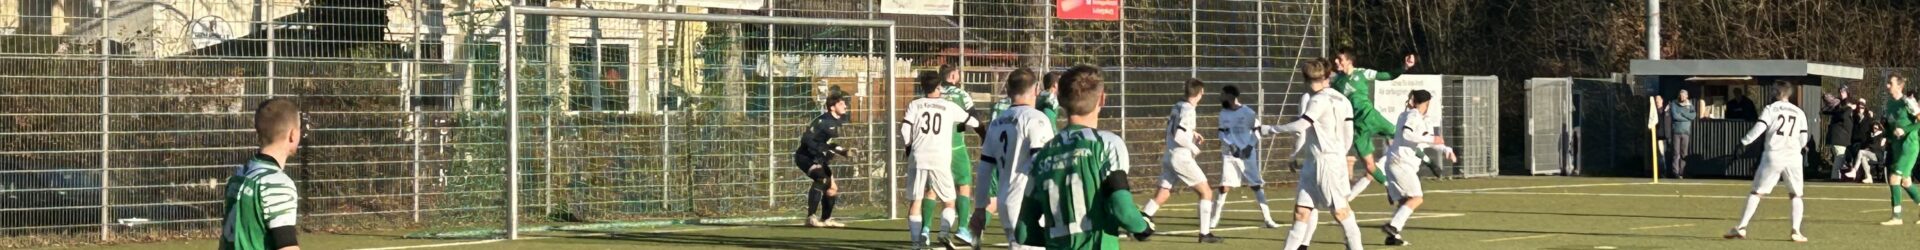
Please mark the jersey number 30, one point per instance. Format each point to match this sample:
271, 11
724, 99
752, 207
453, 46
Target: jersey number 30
932, 123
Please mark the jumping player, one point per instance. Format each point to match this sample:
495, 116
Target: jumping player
1325, 124
1007, 155
815, 152
1786, 132
1357, 85
1079, 179
261, 201
1904, 149
1179, 166
1240, 154
928, 129
1403, 161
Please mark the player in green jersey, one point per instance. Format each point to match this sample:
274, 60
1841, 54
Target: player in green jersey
261, 201
1357, 84
1905, 148
1079, 179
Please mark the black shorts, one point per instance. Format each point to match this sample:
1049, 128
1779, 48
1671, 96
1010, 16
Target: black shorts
805, 163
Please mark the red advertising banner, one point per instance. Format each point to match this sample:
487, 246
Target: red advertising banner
1101, 10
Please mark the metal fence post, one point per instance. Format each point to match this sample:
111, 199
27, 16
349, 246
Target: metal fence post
1324, 16
271, 44
893, 147
770, 112
418, 119
106, 128
1123, 71
1193, 39
510, 69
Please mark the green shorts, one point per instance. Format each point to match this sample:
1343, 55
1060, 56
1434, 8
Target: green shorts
962, 167
1903, 158
1367, 123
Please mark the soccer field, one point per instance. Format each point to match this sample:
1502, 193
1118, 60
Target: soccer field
1500, 213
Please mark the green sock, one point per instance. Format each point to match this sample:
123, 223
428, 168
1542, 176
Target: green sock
1897, 193
963, 206
1913, 192
929, 208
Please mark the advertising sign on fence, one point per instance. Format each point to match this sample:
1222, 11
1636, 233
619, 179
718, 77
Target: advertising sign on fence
1100, 10
1390, 97
917, 7
727, 4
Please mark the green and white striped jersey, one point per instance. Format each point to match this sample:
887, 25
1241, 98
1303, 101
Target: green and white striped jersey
261, 207
1078, 187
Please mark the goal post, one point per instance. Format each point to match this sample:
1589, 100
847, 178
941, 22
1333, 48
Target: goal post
691, 141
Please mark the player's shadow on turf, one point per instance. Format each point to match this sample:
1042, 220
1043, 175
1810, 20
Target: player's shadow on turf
809, 228
794, 242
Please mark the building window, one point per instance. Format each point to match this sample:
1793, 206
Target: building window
602, 77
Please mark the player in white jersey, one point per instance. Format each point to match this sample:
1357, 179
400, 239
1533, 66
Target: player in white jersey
1240, 154
929, 128
1011, 140
1180, 166
1327, 126
1786, 130
1403, 160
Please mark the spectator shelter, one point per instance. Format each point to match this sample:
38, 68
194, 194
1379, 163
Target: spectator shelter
1730, 94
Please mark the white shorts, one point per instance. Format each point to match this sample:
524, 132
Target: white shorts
1403, 182
920, 181
1179, 169
1235, 171
1771, 173
1323, 193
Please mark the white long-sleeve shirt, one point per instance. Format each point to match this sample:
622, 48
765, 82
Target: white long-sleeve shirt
1180, 130
1415, 134
1786, 128
928, 130
1326, 125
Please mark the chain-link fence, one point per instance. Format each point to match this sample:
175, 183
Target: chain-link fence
119, 120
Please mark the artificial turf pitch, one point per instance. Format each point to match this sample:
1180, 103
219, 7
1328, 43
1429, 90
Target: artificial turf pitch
1495, 213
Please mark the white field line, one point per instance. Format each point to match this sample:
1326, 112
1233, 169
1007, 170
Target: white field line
1770, 197
1855, 185
1877, 210
1520, 238
1429, 216
477, 242
1441, 191
1661, 226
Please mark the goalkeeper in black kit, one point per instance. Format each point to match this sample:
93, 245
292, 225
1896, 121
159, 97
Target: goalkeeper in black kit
816, 151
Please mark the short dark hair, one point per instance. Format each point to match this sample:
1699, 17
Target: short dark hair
1420, 96
1343, 51
835, 99
1052, 79
929, 81
274, 118
947, 69
1228, 94
1195, 87
1020, 81
1080, 89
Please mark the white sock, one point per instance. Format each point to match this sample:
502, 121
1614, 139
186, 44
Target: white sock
1353, 232
1219, 206
1798, 207
946, 220
1206, 217
1896, 211
1753, 201
1151, 208
1359, 187
1400, 217
913, 226
1261, 195
1302, 232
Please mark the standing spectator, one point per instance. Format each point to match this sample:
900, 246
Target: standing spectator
1741, 108
1840, 123
1683, 113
